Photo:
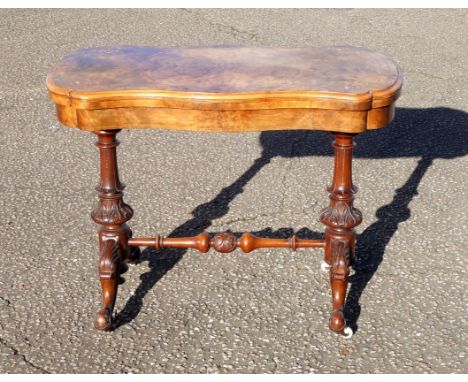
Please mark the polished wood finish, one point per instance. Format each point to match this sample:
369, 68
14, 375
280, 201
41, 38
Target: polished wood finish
342, 90
340, 217
111, 213
225, 88
226, 242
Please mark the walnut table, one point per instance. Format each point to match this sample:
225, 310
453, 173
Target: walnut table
343, 90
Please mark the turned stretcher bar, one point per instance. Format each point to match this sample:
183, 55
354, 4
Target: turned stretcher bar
225, 242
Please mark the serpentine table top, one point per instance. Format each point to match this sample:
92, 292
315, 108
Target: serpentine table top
225, 88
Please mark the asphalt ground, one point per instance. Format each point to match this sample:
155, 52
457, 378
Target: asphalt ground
185, 312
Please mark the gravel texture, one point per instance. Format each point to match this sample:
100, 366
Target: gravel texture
184, 312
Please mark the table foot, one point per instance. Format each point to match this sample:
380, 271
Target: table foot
103, 320
337, 324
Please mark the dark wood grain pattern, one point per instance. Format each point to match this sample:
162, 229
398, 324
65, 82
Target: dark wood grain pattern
225, 88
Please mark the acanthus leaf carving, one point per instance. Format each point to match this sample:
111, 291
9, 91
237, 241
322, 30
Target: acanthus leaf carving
341, 215
109, 258
111, 211
340, 260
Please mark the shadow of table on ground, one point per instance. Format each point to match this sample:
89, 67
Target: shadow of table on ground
429, 134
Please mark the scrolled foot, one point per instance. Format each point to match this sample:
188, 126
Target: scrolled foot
324, 266
103, 320
337, 322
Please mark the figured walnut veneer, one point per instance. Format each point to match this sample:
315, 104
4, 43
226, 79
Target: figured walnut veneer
342, 89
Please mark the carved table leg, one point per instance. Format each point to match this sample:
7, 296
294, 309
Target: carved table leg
340, 217
112, 213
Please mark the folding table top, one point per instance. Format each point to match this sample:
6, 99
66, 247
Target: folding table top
225, 88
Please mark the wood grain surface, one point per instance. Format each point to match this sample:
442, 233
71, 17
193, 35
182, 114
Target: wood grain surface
225, 88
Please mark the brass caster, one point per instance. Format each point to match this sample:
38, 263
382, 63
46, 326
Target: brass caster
324, 266
347, 332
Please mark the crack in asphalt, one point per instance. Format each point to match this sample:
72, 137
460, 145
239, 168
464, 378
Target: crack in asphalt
8, 302
250, 218
17, 352
429, 75
229, 29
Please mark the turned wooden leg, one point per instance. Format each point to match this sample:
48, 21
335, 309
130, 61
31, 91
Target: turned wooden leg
340, 217
111, 213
